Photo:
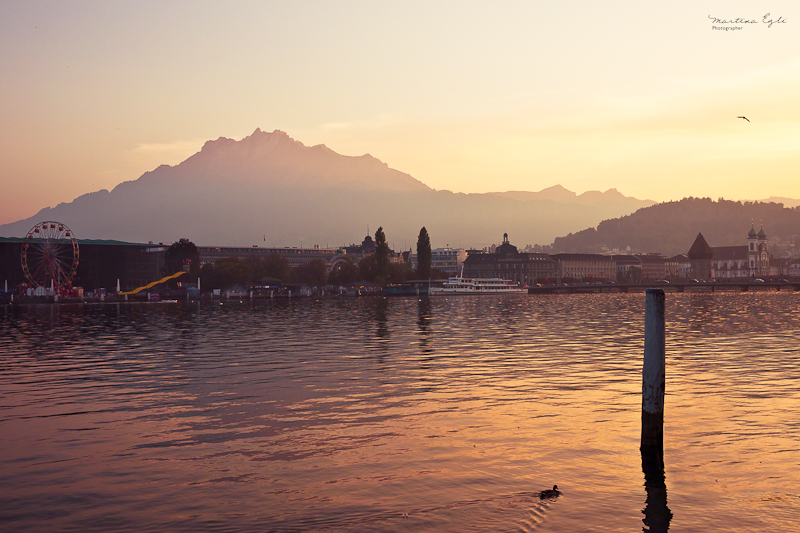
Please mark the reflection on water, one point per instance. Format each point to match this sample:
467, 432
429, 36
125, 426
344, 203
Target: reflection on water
441, 414
657, 515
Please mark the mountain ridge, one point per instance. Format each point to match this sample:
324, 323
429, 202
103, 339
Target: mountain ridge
271, 188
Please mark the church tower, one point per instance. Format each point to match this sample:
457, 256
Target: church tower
757, 253
762, 264
752, 251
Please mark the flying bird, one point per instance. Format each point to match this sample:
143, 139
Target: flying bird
747, 119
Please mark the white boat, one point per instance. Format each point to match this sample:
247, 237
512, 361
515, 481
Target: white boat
461, 285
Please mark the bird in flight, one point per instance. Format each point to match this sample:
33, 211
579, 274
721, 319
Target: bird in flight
747, 119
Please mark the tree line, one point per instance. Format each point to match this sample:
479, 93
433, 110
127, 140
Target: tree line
374, 268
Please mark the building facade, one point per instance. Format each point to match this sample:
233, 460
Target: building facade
298, 257
751, 260
730, 262
509, 263
628, 267
585, 267
448, 260
678, 266
654, 266
295, 256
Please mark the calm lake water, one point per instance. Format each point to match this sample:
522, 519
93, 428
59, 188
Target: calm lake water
373, 414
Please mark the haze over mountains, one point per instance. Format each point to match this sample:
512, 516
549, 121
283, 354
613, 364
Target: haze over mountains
271, 190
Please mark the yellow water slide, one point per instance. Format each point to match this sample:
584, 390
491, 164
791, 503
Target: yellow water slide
153, 284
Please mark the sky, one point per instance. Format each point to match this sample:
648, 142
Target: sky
464, 96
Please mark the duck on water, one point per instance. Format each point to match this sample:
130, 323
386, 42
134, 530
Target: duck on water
550, 493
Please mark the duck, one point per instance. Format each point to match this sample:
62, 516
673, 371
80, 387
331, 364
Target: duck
550, 493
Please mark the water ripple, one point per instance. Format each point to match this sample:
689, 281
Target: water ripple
348, 414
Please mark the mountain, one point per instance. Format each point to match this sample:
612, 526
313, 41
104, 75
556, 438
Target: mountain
559, 194
670, 228
278, 161
787, 202
269, 189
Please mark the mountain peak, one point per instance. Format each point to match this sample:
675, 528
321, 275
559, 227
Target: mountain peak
277, 160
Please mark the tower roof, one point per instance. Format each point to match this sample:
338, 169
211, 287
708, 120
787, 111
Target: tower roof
700, 249
752, 233
506, 249
761, 234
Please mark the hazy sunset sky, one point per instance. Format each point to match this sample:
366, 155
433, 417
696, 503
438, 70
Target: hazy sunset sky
465, 96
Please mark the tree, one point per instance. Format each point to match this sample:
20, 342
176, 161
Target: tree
346, 273
367, 268
423, 254
276, 266
399, 272
381, 257
226, 272
209, 278
312, 273
182, 256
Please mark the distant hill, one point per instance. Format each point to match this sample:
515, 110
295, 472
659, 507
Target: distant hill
787, 202
269, 189
559, 194
671, 227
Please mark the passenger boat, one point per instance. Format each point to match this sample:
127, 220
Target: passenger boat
461, 285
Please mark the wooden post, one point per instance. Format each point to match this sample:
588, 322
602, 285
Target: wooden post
653, 372
657, 515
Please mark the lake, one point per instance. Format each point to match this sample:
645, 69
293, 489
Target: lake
401, 414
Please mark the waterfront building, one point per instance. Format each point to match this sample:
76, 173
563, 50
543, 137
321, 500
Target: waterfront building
296, 257
678, 266
779, 267
749, 260
507, 262
586, 267
299, 257
793, 268
628, 267
448, 260
653, 266
730, 262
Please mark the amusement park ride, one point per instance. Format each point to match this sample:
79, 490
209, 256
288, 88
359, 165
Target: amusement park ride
50, 256
153, 284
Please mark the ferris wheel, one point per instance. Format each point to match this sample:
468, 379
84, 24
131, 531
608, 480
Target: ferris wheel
50, 256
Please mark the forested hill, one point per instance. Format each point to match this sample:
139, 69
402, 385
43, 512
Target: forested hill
670, 228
